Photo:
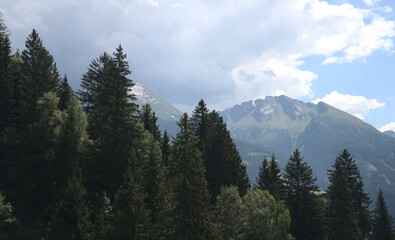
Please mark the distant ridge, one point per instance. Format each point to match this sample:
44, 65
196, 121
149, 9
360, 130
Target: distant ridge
320, 132
167, 114
390, 133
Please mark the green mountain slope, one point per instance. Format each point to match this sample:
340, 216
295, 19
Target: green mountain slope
321, 132
167, 114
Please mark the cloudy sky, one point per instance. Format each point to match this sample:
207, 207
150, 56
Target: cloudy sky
228, 51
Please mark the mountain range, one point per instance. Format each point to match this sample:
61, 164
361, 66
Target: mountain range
279, 125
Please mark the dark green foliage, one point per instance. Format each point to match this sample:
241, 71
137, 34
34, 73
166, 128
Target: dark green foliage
112, 127
148, 119
342, 216
190, 195
131, 218
71, 217
152, 171
228, 214
382, 227
40, 75
165, 147
7, 220
65, 93
5, 84
221, 159
102, 220
346, 178
269, 178
302, 199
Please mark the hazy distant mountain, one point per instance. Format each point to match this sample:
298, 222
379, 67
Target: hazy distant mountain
279, 125
390, 133
321, 132
167, 114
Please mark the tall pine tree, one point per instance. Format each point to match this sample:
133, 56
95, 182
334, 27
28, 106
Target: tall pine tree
106, 99
5, 85
190, 195
382, 227
352, 182
269, 178
221, 159
131, 218
301, 198
71, 218
342, 216
148, 119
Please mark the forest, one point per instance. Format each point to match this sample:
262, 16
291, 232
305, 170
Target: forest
91, 164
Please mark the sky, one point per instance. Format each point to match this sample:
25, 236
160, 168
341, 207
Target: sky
228, 51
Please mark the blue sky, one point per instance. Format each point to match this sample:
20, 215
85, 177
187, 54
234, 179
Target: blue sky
229, 51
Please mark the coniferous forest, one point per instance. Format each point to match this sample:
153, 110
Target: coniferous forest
91, 164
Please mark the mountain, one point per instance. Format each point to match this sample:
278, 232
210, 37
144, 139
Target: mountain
390, 133
167, 114
279, 125
320, 132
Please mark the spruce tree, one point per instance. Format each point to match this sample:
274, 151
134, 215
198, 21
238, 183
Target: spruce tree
361, 199
112, 126
148, 119
301, 198
65, 93
269, 178
152, 171
342, 216
102, 220
165, 147
40, 75
221, 159
190, 195
131, 218
71, 217
382, 222
5, 61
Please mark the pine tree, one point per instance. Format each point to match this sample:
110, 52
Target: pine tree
71, 217
152, 171
131, 218
191, 197
264, 175
148, 119
5, 61
269, 178
342, 216
165, 147
382, 227
65, 93
361, 200
300, 197
112, 126
102, 222
40, 75
221, 159
73, 142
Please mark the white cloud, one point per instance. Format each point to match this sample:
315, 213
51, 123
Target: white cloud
222, 51
371, 2
388, 127
358, 106
272, 75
